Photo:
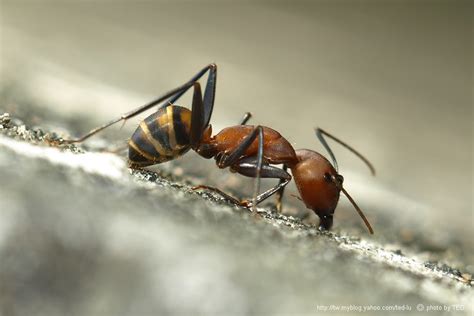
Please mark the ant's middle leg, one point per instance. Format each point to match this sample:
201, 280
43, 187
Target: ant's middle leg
248, 167
225, 160
232, 158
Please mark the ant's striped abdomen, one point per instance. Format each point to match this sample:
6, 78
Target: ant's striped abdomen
160, 137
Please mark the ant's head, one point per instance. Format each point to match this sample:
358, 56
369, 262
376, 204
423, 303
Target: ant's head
320, 184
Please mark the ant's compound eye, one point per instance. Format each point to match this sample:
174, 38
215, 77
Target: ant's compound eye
327, 177
339, 178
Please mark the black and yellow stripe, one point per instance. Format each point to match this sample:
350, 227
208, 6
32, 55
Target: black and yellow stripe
161, 137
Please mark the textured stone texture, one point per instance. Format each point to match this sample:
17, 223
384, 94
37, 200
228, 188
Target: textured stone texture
80, 234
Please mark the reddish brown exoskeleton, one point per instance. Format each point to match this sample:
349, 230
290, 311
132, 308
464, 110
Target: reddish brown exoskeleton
252, 151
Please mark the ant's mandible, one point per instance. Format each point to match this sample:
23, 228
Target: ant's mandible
252, 151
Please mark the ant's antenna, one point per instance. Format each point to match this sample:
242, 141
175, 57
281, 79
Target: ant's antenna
321, 133
358, 210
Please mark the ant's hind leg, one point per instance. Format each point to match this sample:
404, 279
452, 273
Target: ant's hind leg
132, 113
173, 95
197, 117
209, 92
279, 193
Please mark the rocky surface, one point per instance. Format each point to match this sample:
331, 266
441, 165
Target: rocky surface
81, 234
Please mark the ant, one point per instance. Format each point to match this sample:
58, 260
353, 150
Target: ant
252, 151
